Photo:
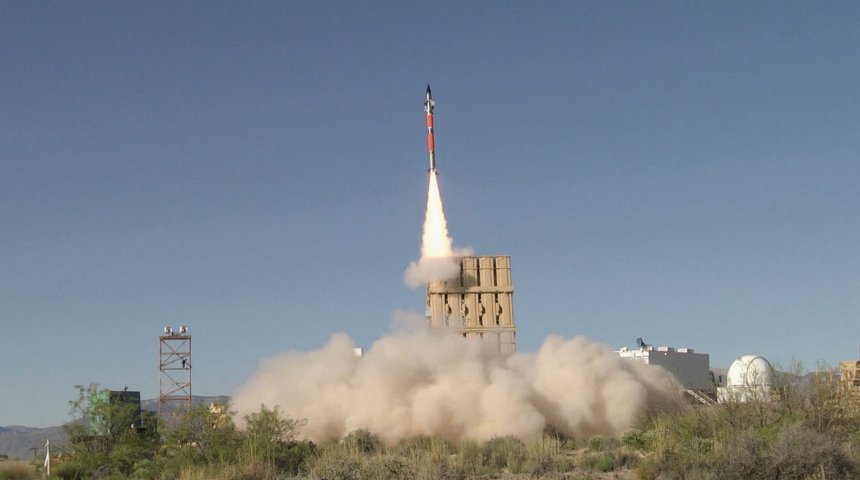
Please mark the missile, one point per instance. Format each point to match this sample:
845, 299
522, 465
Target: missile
428, 108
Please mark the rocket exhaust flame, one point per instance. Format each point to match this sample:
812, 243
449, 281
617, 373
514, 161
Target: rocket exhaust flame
437, 255
435, 241
436, 261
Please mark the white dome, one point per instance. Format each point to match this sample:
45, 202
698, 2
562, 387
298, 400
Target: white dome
749, 371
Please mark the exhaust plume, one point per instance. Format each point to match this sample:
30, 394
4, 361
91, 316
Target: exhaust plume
436, 261
432, 382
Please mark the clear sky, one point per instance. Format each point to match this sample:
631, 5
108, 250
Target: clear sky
687, 172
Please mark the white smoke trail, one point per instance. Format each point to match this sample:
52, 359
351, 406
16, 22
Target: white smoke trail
436, 261
422, 382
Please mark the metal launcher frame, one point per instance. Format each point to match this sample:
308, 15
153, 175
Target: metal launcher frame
477, 303
174, 354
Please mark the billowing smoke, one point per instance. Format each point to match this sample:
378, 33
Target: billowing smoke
432, 382
417, 381
436, 261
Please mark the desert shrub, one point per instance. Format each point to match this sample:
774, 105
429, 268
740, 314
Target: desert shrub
414, 444
268, 434
71, 470
239, 471
599, 462
740, 458
334, 463
800, 452
545, 456
363, 441
682, 447
386, 467
505, 452
147, 469
655, 468
797, 453
639, 439
625, 458
205, 436
470, 457
686, 458
424, 445
597, 443
17, 472
550, 430
430, 468
431, 457
292, 456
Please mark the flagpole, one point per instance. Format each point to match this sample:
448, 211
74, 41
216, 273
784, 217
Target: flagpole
48, 456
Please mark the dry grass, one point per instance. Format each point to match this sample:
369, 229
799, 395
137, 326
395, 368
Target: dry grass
16, 470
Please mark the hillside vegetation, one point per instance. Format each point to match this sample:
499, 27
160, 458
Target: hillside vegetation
805, 430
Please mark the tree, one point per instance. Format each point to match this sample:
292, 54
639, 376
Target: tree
104, 436
270, 439
206, 435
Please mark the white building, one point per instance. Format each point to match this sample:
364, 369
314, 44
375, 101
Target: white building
691, 369
749, 378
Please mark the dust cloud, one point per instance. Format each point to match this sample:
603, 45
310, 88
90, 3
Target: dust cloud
416, 381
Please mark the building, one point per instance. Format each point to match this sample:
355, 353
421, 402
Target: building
849, 371
750, 378
477, 303
691, 369
112, 411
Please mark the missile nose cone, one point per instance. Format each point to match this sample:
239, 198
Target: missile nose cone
429, 95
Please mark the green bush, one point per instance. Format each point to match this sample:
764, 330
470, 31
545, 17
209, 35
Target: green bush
293, 456
682, 447
639, 439
147, 470
71, 470
800, 433
599, 462
505, 453
597, 443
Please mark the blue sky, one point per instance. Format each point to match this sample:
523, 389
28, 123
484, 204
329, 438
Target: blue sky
686, 172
